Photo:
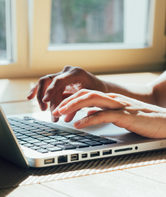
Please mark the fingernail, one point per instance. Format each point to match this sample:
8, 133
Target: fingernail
54, 119
43, 106
45, 98
76, 124
55, 113
63, 109
29, 94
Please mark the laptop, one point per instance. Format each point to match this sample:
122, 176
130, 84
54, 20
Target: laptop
32, 140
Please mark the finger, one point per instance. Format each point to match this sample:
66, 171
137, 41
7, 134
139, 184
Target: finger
141, 123
118, 117
43, 83
73, 76
32, 92
96, 99
92, 112
94, 119
57, 98
67, 100
70, 117
65, 95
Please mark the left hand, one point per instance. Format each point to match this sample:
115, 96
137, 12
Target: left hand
56, 87
136, 116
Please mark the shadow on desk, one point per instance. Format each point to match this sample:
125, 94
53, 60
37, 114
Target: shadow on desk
12, 176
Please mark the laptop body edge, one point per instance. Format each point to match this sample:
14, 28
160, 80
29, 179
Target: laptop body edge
25, 157
9, 146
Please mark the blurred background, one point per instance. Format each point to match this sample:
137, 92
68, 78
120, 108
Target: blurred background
102, 36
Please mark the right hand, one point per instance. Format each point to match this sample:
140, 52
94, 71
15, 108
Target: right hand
138, 117
62, 85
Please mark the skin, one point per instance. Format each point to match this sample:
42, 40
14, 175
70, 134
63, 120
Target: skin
138, 108
144, 119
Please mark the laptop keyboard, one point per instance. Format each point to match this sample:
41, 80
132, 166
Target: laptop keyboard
45, 137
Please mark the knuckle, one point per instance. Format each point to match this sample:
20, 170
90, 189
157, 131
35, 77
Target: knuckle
49, 90
93, 119
93, 95
42, 80
77, 71
57, 82
67, 68
83, 90
89, 118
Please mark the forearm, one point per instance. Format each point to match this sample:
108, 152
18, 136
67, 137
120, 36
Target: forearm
138, 91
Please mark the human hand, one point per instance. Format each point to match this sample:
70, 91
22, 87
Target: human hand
55, 87
136, 116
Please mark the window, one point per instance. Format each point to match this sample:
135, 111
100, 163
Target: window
140, 50
14, 38
3, 30
98, 35
87, 24
86, 21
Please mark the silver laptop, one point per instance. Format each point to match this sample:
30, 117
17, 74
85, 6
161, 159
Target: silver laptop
32, 140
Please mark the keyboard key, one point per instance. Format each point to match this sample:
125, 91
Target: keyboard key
40, 143
35, 147
84, 140
108, 142
89, 136
53, 149
28, 118
36, 130
67, 146
53, 130
29, 133
18, 135
85, 135
95, 137
75, 132
21, 137
42, 132
79, 144
50, 141
48, 134
70, 136
58, 138
42, 150
28, 145
44, 138
60, 132
27, 127
93, 143
47, 146
22, 142
66, 141
19, 130
37, 136
57, 143
42, 127
64, 134
77, 138
34, 141
27, 139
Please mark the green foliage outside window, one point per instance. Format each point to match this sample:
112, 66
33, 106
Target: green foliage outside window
83, 21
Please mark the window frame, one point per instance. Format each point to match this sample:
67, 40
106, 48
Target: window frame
19, 36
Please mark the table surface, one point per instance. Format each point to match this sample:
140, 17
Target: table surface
141, 181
